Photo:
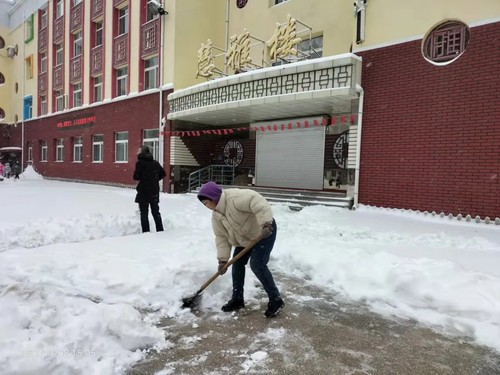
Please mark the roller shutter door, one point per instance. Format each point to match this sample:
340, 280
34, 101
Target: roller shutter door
291, 158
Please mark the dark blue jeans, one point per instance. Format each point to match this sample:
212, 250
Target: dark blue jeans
259, 257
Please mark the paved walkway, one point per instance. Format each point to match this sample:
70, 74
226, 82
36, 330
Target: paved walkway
318, 333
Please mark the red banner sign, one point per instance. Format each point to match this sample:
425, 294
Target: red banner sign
86, 120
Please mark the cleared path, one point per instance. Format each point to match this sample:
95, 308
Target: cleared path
317, 333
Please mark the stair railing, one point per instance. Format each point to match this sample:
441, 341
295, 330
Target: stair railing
222, 174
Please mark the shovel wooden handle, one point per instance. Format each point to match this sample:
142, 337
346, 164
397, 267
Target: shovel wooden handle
230, 262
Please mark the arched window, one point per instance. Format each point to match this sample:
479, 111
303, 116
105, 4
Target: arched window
446, 42
2, 79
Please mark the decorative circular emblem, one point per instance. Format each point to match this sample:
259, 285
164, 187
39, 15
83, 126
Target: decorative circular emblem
233, 153
446, 42
341, 150
241, 3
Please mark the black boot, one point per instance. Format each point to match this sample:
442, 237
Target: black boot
233, 304
274, 308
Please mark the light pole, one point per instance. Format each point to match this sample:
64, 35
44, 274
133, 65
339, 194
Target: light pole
156, 8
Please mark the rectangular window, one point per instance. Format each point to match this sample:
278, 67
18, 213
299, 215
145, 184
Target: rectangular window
98, 89
30, 154
28, 29
76, 2
98, 34
59, 53
276, 2
43, 18
59, 100
307, 49
59, 149
311, 48
43, 62
150, 138
123, 21
97, 148
59, 8
77, 149
43, 150
43, 105
77, 95
28, 107
28, 63
77, 44
121, 81
121, 147
150, 73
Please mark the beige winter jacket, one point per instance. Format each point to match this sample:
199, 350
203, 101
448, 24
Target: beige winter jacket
238, 219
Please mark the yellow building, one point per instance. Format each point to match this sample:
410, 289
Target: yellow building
265, 64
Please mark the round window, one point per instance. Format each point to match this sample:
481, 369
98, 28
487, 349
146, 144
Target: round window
445, 42
2, 79
2, 43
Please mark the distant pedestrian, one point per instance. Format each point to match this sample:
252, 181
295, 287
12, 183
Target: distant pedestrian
2, 170
240, 216
16, 170
7, 170
149, 173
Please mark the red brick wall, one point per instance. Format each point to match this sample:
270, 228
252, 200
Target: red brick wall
10, 135
431, 134
132, 115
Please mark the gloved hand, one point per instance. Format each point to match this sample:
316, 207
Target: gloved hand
267, 229
222, 263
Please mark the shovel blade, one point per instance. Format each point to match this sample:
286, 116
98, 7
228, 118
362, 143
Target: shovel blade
191, 301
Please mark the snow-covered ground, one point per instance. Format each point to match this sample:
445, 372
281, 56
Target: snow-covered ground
77, 277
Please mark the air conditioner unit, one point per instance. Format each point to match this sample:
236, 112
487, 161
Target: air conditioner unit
155, 7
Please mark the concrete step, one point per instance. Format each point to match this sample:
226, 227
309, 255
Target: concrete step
298, 199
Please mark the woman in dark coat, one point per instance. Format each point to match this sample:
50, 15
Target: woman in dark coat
149, 173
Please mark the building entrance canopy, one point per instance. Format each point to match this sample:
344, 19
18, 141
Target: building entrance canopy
312, 87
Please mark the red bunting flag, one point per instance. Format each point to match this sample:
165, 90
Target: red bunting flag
269, 127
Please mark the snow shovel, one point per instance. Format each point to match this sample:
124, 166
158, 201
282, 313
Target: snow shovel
194, 300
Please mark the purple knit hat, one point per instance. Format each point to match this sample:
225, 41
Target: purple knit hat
211, 191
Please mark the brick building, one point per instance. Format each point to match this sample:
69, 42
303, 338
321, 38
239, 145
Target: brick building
397, 101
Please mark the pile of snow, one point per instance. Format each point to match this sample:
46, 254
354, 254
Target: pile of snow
30, 174
75, 272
